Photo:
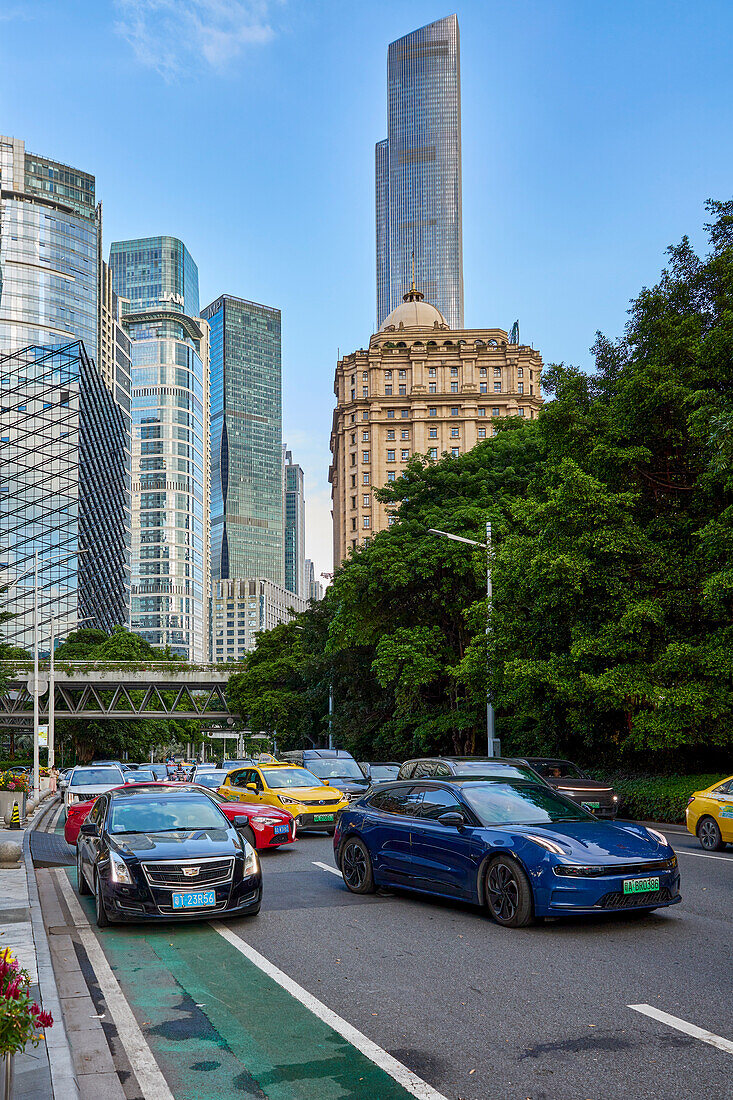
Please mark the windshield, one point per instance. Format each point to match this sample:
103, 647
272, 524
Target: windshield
289, 777
140, 776
502, 771
338, 767
96, 777
559, 769
165, 814
383, 771
520, 804
211, 779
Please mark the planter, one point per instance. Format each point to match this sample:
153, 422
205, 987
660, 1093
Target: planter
45, 783
6, 1079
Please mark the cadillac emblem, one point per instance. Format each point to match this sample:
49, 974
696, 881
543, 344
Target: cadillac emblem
191, 872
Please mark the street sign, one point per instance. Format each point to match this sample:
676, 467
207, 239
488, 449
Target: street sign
43, 737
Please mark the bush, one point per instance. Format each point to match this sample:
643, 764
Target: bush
657, 798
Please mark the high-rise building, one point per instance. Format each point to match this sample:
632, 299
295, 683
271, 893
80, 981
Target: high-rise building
65, 492
240, 609
418, 173
50, 239
170, 442
313, 587
113, 359
246, 441
294, 502
420, 388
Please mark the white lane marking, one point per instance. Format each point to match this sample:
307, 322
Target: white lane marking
153, 1084
682, 1025
404, 1076
325, 867
55, 819
702, 855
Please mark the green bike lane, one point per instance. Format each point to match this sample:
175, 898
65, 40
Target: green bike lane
219, 1026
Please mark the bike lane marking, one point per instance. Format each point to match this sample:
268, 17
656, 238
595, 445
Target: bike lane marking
218, 1024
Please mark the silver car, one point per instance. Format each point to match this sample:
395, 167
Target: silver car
85, 783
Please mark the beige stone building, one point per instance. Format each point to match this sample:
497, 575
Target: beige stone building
419, 388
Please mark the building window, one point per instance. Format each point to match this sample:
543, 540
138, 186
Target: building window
364, 478
387, 391
455, 451
367, 500
353, 502
404, 413
365, 391
432, 412
433, 433
432, 387
520, 412
353, 395
390, 433
497, 387
390, 456
454, 372
520, 372
365, 456
388, 374
432, 372
353, 544
353, 480
365, 437
353, 460
454, 410
390, 475
482, 433
391, 520
482, 372
390, 414
353, 437
455, 432
520, 387
353, 523
497, 372
353, 418
405, 455
405, 433
367, 521
433, 452
402, 391
365, 415
454, 387
402, 374
483, 387
364, 376
353, 379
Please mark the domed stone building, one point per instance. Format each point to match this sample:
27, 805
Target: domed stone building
420, 388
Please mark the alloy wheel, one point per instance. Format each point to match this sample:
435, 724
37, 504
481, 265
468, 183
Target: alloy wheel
354, 866
709, 834
503, 891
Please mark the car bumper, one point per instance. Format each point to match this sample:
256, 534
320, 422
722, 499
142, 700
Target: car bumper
605, 894
307, 821
133, 902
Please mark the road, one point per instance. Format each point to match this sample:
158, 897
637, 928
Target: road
472, 1009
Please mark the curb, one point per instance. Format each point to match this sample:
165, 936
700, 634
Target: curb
63, 1077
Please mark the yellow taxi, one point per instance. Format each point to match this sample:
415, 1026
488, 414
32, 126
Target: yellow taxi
313, 803
709, 815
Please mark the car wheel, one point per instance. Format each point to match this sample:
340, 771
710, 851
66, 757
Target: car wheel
99, 910
508, 893
356, 867
709, 835
82, 884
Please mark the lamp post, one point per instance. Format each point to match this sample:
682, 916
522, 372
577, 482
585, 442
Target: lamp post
487, 547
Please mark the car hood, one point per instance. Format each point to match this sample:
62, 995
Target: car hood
96, 788
306, 794
598, 841
186, 844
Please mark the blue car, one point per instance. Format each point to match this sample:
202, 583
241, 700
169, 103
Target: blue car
517, 847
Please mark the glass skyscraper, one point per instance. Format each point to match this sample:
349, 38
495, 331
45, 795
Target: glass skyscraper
246, 441
50, 234
294, 527
170, 442
418, 174
65, 488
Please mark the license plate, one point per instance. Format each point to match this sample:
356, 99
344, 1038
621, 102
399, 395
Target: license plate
323, 817
195, 901
640, 885
281, 829
591, 805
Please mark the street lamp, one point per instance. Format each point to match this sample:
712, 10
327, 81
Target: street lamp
487, 547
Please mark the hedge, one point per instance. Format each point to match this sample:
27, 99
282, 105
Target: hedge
657, 798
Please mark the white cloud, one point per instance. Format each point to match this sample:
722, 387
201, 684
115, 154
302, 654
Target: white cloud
172, 36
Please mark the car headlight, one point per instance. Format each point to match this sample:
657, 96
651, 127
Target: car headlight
615, 798
251, 862
657, 835
289, 801
550, 845
120, 870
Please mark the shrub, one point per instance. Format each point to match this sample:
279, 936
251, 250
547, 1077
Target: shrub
657, 798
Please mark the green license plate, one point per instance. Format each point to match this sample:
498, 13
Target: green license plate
591, 805
323, 817
640, 885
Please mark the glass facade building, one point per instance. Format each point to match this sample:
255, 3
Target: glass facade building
170, 443
50, 238
246, 441
294, 527
65, 487
418, 174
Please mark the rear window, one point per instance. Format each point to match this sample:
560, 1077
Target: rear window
491, 771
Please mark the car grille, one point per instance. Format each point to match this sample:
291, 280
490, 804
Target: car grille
617, 900
211, 872
321, 802
652, 867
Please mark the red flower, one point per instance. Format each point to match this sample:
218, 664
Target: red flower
45, 1019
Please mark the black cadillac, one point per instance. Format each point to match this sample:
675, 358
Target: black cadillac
165, 855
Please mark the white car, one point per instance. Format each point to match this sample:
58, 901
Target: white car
86, 783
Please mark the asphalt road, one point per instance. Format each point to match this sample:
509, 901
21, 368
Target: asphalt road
475, 1010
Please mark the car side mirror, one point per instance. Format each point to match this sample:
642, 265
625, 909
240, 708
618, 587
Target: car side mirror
88, 828
251, 786
452, 818
240, 821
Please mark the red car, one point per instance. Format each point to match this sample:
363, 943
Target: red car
269, 826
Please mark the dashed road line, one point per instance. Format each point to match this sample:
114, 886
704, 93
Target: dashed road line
688, 1029
409, 1081
325, 867
702, 855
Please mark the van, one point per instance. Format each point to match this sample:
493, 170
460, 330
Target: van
336, 765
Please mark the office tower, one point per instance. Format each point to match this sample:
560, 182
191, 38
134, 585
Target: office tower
421, 388
65, 492
240, 608
294, 499
418, 173
313, 587
246, 441
50, 234
170, 442
114, 361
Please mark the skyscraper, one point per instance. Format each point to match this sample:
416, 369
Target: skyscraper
50, 239
246, 441
418, 173
294, 502
170, 442
313, 587
65, 491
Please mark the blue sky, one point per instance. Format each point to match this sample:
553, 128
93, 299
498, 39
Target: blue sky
593, 132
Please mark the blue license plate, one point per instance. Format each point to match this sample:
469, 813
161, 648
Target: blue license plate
282, 829
195, 901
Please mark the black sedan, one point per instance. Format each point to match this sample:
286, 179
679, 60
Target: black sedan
163, 855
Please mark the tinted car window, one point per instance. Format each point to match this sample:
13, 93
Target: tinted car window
406, 770
97, 811
383, 771
165, 814
438, 802
514, 803
404, 800
424, 768
338, 767
279, 778
558, 769
724, 788
485, 767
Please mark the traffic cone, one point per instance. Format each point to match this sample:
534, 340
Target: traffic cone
15, 819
